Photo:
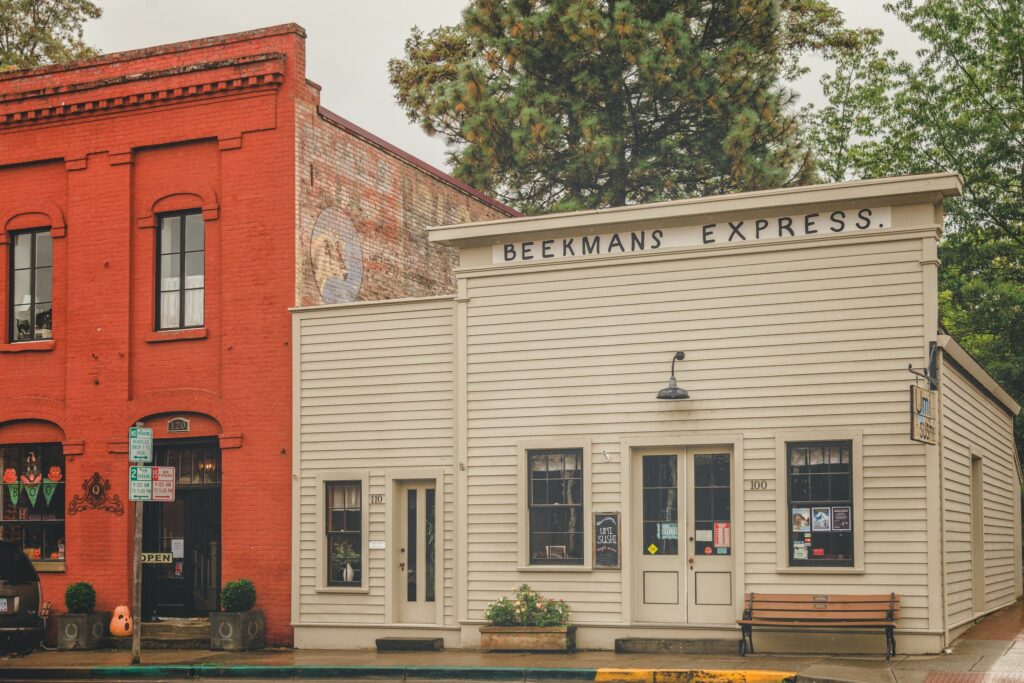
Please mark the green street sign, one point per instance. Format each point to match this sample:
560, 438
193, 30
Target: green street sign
140, 444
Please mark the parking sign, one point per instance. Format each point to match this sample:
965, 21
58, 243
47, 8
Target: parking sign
151, 484
140, 444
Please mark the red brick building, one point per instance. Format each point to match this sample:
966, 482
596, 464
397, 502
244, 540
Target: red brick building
160, 211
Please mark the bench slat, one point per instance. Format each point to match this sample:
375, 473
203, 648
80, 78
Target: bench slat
813, 615
820, 597
822, 622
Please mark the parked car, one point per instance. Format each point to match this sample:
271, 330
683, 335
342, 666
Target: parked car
21, 626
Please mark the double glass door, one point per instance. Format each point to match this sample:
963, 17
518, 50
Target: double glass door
683, 513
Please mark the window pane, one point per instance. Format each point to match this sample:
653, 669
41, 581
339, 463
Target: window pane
35, 527
22, 249
22, 287
431, 577
44, 284
170, 235
44, 321
194, 270
555, 507
44, 249
193, 307
22, 323
702, 470
820, 510
660, 505
194, 232
170, 272
169, 313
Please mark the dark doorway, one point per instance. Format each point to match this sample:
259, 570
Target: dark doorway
189, 529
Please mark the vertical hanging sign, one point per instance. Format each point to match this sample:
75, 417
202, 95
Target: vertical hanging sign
922, 415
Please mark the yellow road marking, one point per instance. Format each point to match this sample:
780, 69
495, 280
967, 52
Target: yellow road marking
691, 676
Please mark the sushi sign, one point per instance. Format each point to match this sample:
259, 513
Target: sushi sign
922, 415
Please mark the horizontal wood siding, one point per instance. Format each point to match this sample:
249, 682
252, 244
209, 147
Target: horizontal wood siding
376, 394
775, 341
974, 424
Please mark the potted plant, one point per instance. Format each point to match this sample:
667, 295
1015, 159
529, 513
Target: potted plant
238, 627
528, 621
346, 556
81, 628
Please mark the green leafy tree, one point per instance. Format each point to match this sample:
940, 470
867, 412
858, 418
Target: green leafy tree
567, 104
36, 32
959, 108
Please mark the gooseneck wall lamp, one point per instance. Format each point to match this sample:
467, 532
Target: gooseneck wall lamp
673, 392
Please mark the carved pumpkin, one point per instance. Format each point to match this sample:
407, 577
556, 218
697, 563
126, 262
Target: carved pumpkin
54, 474
10, 476
121, 623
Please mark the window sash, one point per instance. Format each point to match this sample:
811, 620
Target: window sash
345, 499
180, 271
31, 312
38, 524
819, 480
555, 506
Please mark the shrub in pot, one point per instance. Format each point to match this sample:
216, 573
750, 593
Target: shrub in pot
81, 628
528, 621
238, 627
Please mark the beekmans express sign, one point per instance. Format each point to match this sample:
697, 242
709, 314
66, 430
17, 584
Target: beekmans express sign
747, 230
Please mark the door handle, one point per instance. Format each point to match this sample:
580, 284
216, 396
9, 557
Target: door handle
401, 565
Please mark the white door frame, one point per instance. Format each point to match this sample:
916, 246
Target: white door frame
392, 478
629, 444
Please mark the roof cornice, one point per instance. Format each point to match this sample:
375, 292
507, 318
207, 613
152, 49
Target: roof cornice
900, 190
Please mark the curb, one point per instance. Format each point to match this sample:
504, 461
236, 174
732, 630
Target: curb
194, 671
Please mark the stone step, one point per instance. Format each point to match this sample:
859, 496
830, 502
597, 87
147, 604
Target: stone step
183, 634
683, 646
397, 644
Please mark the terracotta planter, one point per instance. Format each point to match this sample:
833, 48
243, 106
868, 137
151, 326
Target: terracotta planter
82, 631
531, 638
237, 631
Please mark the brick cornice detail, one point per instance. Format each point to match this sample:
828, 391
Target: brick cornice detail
136, 90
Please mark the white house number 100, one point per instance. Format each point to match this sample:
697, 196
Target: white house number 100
758, 484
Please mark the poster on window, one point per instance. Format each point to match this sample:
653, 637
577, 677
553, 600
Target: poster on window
801, 519
841, 518
821, 519
722, 535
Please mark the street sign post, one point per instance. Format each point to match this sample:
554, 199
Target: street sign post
140, 444
152, 484
146, 483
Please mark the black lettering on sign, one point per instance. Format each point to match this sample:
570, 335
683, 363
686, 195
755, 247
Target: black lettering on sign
615, 241
709, 233
567, 249
837, 219
656, 238
865, 219
808, 222
545, 249
592, 247
786, 223
636, 241
736, 230
759, 226
526, 248
510, 252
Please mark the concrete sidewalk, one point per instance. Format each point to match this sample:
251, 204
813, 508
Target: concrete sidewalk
991, 652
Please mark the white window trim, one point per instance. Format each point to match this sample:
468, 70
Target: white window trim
323, 477
522, 501
856, 438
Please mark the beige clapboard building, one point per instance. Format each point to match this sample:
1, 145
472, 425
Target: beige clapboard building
449, 449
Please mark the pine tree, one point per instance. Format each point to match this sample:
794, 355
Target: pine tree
567, 104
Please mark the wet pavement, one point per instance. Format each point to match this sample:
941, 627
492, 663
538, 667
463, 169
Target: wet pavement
990, 652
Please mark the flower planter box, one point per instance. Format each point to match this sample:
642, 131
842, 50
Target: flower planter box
529, 638
237, 631
82, 631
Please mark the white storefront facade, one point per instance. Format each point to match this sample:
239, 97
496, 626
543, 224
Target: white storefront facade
450, 449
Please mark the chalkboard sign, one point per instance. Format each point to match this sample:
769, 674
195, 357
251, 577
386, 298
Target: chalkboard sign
606, 540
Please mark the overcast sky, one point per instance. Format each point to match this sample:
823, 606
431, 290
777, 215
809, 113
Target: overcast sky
349, 43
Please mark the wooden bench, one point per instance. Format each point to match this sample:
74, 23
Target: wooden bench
843, 612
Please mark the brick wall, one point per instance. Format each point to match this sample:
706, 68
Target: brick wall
363, 209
